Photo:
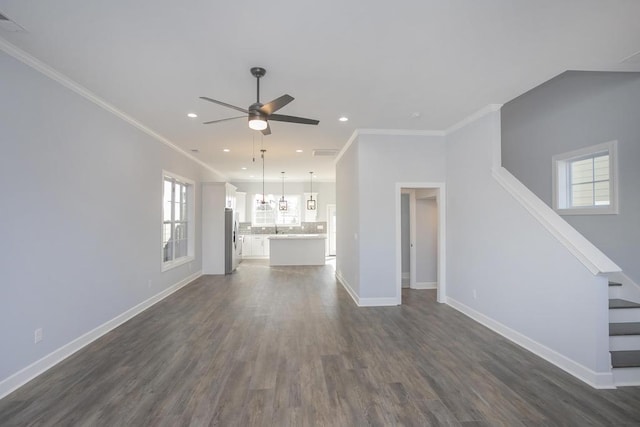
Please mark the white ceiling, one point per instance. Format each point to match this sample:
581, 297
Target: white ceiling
377, 62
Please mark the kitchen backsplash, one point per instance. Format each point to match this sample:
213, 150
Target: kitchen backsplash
305, 228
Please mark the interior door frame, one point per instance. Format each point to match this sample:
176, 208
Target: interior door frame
329, 228
441, 251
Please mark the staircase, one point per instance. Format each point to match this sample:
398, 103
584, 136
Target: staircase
624, 338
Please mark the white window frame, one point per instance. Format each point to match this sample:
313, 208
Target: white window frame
273, 200
561, 180
190, 184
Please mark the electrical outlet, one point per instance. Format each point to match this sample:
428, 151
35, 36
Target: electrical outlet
149, 283
321, 227
37, 335
475, 294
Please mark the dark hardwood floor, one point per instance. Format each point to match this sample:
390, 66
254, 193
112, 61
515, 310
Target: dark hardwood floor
287, 347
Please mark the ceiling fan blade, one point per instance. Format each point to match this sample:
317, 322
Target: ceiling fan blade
267, 131
276, 104
292, 119
224, 104
223, 120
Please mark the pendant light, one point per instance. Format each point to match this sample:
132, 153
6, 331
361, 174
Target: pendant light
311, 204
282, 204
262, 151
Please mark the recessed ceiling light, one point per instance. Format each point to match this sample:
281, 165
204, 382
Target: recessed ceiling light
243, 168
344, 119
192, 115
226, 150
298, 151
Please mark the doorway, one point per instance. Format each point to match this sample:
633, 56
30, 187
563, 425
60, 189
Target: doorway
420, 237
331, 230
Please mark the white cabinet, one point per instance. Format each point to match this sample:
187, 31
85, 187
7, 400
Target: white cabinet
256, 246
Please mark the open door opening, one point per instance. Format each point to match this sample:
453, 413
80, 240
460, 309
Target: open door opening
420, 238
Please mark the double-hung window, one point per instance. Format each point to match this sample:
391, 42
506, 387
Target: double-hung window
585, 181
178, 221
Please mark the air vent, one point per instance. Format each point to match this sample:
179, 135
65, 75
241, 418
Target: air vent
324, 152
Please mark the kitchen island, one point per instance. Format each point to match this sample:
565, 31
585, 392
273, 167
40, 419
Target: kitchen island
297, 249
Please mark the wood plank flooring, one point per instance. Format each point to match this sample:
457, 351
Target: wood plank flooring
287, 347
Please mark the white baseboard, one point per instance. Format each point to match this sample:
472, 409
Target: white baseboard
28, 373
377, 302
347, 288
364, 302
599, 380
426, 285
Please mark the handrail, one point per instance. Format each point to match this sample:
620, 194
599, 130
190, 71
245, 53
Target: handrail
592, 257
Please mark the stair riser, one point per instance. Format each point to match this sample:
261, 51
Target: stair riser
624, 342
621, 315
626, 376
614, 292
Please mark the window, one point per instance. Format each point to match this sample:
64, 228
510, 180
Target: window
268, 214
585, 181
177, 221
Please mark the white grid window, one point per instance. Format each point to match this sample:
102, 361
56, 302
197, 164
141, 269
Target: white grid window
584, 181
177, 224
268, 214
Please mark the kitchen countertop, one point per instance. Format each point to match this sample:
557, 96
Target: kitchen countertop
297, 236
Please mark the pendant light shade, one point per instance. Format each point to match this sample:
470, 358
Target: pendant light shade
311, 204
282, 204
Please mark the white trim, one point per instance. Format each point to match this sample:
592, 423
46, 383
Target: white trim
440, 188
559, 164
378, 302
592, 258
28, 373
344, 149
626, 377
191, 220
426, 285
65, 81
473, 117
364, 302
347, 288
599, 380
401, 132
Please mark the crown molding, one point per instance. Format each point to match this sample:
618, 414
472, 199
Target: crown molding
70, 84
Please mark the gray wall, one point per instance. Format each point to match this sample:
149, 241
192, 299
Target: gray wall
575, 110
505, 266
80, 217
326, 193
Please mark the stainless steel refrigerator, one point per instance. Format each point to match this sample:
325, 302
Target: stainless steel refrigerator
232, 243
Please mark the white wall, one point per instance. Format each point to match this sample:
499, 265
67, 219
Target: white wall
426, 244
505, 269
80, 218
372, 165
348, 219
572, 111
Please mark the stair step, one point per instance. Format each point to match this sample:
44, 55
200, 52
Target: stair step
615, 284
631, 328
622, 303
625, 359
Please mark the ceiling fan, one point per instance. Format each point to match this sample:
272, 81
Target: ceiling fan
259, 114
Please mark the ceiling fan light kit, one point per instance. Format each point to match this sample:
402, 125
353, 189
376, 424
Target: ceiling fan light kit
259, 114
